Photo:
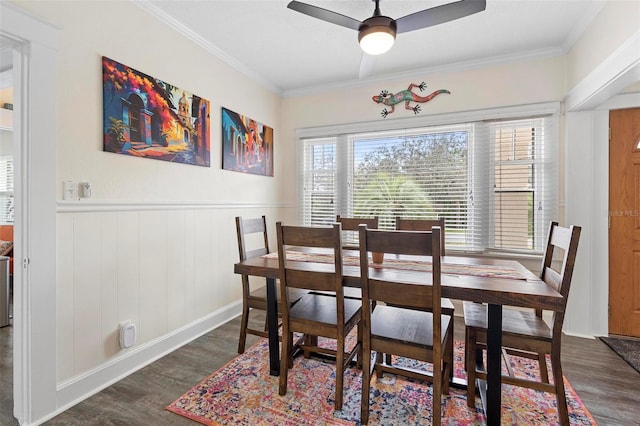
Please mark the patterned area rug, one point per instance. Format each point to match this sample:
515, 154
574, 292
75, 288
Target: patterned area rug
243, 393
627, 349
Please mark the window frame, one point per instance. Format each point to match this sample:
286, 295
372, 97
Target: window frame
480, 185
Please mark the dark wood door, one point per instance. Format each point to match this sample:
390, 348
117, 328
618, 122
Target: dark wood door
624, 222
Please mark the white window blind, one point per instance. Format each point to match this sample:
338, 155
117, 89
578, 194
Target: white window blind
6, 189
319, 177
493, 181
522, 190
417, 173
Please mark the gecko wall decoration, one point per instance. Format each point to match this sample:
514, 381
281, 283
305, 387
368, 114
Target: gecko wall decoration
406, 96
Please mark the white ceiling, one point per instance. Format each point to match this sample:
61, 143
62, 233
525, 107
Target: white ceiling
293, 53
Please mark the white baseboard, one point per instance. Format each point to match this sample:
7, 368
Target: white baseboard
78, 388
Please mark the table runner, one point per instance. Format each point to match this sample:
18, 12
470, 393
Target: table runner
493, 271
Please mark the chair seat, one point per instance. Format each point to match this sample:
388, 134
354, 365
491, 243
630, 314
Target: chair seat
322, 308
406, 325
517, 323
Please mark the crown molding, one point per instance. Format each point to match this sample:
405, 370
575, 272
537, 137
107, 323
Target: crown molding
443, 69
187, 32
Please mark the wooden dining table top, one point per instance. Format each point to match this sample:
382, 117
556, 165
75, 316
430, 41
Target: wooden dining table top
529, 291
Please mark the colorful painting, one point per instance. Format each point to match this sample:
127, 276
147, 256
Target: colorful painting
247, 146
146, 117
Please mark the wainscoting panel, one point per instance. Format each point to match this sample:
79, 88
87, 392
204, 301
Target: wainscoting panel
64, 298
153, 265
177, 283
109, 284
127, 279
166, 268
87, 305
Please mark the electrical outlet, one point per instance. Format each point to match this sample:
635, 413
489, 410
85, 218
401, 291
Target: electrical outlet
127, 334
85, 190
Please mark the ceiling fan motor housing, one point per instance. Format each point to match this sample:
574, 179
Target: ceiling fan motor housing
377, 24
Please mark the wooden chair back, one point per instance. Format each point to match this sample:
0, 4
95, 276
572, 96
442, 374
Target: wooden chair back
565, 240
245, 227
422, 225
350, 224
296, 275
252, 242
426, 243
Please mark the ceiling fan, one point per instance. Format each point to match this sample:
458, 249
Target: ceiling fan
377, 34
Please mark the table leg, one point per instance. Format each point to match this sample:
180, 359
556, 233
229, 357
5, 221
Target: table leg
272, 325
494, 368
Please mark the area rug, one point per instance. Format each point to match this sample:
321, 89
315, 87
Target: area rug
243, 393
627, 349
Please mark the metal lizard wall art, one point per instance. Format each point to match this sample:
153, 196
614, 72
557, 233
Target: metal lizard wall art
406, 96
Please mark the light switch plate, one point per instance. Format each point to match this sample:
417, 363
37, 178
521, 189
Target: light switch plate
70, 191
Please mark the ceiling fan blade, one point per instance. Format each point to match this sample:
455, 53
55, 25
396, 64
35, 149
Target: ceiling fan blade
367, 64
439, 14
325, 15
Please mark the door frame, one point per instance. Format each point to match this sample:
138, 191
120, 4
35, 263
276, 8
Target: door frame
34, 74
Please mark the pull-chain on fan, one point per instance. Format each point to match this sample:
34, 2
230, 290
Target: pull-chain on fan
377, 33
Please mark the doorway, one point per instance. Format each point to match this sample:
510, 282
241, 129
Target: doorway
624, 222
32, 45
6, 231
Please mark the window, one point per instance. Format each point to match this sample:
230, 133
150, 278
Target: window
494, 181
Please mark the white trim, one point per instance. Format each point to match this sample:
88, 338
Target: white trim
623, 101
614, 74
516, 111
34, 63
122, 206
439, 69
76, 389
21, 26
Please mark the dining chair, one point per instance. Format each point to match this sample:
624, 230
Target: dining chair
417, 330
350, 228
253, 233
427, 225
316, 314
525, 333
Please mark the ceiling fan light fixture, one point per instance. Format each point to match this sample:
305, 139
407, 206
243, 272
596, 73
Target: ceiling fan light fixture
377, 35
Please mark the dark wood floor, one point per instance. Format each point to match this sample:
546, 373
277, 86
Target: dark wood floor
605, 383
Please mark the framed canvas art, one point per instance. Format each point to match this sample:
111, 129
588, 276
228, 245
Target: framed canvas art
247, 146
147, 117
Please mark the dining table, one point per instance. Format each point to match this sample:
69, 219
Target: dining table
497, 282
